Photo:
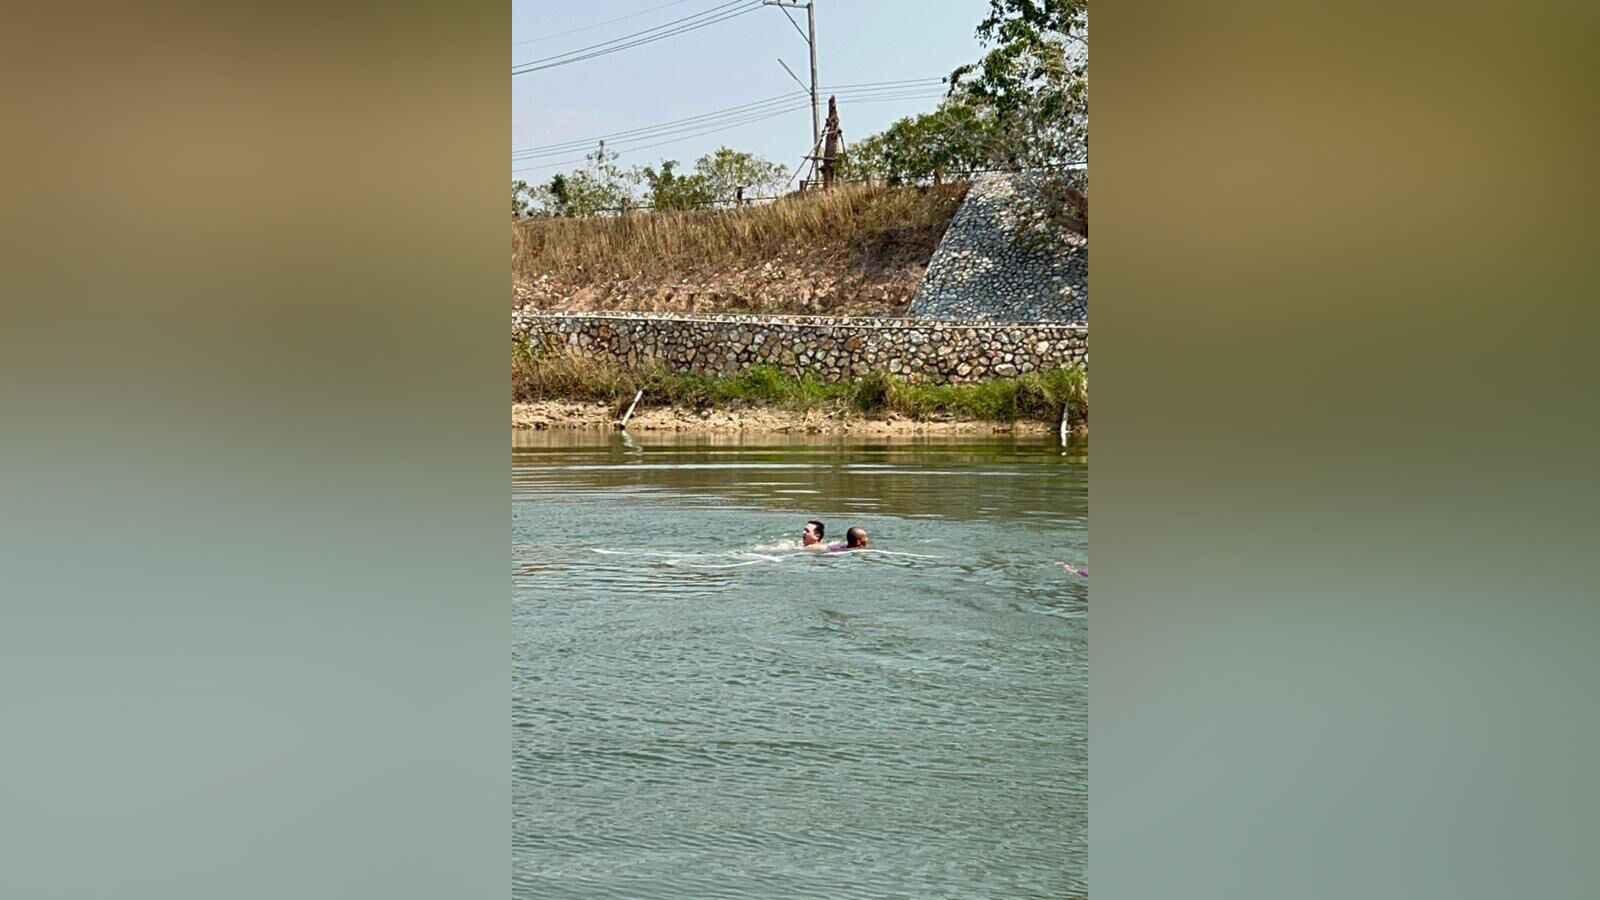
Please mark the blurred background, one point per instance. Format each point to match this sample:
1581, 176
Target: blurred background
254, 634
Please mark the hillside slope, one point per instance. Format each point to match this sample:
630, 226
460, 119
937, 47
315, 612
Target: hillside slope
852, 251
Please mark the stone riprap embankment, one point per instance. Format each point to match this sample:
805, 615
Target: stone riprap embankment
829, 349
981, 272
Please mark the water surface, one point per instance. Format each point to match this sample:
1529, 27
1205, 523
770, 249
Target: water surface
703, 710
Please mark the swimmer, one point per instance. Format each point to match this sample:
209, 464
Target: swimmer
811, 534
854, 539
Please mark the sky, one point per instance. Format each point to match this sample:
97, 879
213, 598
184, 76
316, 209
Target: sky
726, 64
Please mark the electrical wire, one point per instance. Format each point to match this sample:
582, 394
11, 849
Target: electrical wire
722, 14
636, 34
831, 87
635, 132
683, 137
721, 121
715, 129
860, 89
641, 12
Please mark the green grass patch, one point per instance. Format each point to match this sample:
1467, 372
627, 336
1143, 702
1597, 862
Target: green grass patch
555, 373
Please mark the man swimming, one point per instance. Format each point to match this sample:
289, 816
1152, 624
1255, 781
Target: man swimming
854, 539
811, 534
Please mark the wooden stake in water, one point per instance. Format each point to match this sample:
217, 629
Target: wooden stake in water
629, 414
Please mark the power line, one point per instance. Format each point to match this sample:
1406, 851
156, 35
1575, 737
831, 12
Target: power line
832, 87
629, 37
860, 89
746, 119
641, 12
732, 116
757, 117
898, 94
733, 14
636, 132
699, 20
642, 41
697, 130
749, 119
630, 144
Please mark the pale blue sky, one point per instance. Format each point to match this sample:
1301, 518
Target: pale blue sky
723, 65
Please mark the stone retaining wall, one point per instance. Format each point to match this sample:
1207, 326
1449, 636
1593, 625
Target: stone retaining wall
831, 349
980, 272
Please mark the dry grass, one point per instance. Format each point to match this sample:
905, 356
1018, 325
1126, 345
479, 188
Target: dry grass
856, 225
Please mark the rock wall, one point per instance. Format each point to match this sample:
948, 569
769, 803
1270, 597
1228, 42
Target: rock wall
979, 272
831, 349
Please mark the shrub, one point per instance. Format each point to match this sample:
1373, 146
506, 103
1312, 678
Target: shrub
556, 372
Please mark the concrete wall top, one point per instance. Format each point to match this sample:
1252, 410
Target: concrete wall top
788, 321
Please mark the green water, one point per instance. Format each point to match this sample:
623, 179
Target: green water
702, 710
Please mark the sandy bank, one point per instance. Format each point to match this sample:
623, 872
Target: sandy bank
551, 414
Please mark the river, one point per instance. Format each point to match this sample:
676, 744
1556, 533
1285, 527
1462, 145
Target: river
701, 709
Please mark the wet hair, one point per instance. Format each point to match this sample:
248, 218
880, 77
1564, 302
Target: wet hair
819, 527
854, 537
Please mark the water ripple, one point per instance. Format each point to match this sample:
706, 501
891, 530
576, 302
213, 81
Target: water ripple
702, 709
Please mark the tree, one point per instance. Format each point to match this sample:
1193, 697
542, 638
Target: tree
1024, 105
603, 186
1035, 74
1034, 82
521, 200
669, 190
600, 186
725, 171
951, 139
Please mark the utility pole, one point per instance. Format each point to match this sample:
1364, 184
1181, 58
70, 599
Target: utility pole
811, 40
811, 30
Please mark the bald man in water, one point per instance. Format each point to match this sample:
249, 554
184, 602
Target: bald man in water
854, 539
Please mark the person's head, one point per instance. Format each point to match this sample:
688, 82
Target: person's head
811, 534
855, 538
